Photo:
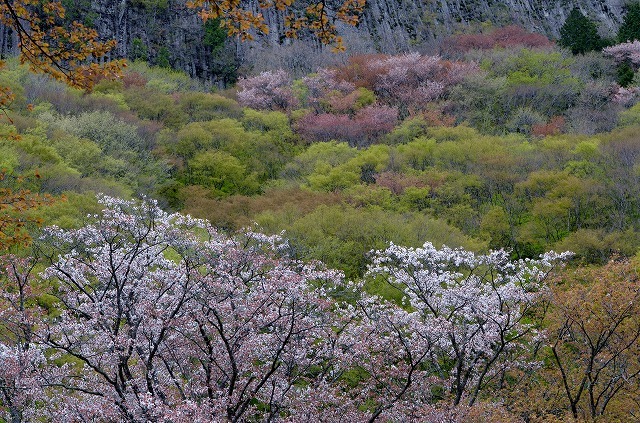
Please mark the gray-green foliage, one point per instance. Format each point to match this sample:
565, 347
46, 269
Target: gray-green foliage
100, 144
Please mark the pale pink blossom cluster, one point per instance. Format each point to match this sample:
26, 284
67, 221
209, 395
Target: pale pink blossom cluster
628, 52
469, 311
414, 80
626, 96
157, 317
271, 90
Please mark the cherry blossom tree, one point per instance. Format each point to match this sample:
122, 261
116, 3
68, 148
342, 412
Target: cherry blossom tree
475, 315
163, 319
157, 317
271, 90
19, 355
628, 52
412, 80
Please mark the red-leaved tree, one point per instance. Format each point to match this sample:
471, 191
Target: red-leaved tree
363, 129
507, 37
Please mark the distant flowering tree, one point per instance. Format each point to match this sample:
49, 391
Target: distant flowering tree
507, 37
627, 58
271, 90
411, 81
628, 52
626, 96
363, 129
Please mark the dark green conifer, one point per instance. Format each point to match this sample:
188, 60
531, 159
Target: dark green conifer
625, 74
630, 28
580, 34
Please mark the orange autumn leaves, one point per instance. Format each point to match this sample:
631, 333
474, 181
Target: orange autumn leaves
71, 53
13, 206
319, 18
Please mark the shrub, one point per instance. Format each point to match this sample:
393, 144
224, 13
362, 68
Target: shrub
507, 37
367, 126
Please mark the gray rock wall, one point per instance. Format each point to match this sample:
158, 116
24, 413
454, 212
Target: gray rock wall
389, 26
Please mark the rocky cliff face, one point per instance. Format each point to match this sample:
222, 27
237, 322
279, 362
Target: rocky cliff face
167, 33
403, 23
392, 26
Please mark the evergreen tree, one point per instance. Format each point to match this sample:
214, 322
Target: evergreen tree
579, 34
630, 28
625, 74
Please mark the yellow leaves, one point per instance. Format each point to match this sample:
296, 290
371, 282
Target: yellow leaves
318, 18
13, 204
65, 52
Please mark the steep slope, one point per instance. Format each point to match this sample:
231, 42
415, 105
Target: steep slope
397, 24
165, 32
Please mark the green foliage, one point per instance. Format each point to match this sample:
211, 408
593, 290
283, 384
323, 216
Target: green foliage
214, 35
597, 245
365, 97
341, 235
580, 34
160, 4
163, 79
630, 28
9, 157
154, 105
536, 68
417, 154
139, 50
323, 155
199, 106
70, 211
272, 122
631, 116
625, 74
523, 120
408, 130
222, 173
162, 59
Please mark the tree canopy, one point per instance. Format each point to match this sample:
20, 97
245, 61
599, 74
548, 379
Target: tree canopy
318, 17
579, 33
630, 28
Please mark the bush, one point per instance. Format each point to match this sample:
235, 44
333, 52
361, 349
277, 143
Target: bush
365, 128
507, 37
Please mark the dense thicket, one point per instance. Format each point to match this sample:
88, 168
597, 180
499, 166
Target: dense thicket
525, 148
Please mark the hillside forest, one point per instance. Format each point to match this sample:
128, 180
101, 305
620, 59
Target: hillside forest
445, 236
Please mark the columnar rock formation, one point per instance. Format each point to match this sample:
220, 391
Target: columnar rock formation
167, 32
